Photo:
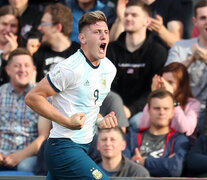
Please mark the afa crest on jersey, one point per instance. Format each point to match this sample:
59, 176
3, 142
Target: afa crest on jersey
96, 173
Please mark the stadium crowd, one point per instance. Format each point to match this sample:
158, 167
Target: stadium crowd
159, 93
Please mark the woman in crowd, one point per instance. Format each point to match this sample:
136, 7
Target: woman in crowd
175, 79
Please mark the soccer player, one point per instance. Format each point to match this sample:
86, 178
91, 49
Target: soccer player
78, 85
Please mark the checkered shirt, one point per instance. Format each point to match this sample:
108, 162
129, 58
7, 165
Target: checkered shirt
18, 123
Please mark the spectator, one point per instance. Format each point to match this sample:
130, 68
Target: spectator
135, 55
33, 42
175, 79
193, 54
29, 17
166, 20
32, 45
111, 143
55, 27
159, 148
79, 7
21, 132
8, 38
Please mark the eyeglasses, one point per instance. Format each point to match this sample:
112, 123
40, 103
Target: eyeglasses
46, 24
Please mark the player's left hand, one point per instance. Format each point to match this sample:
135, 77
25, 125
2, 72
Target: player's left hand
109, 121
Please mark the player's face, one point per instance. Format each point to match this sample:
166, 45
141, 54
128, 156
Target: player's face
110, 144
161, 111
135, 19
20, 70
8, 24
95, 39
47, 28
201, 21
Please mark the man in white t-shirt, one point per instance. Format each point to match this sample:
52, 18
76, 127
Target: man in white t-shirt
78, 85
193, 54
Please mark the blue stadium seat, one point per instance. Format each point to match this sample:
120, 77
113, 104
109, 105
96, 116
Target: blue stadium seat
16, 173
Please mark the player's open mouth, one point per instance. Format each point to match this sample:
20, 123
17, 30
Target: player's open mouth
102, 47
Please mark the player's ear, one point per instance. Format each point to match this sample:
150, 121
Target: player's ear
82, 38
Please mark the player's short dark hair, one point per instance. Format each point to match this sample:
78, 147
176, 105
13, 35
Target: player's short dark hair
91, 18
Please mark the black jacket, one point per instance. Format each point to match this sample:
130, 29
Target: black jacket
135, 70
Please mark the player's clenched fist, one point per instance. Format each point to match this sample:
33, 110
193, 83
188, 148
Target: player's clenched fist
109, 121
77, 121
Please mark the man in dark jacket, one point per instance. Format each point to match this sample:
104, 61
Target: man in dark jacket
137, 58
159, 149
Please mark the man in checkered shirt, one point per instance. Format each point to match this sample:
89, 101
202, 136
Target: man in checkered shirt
22, 131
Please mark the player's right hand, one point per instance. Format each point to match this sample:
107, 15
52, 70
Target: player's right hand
77, 121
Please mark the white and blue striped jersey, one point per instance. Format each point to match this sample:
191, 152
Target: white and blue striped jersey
81, 87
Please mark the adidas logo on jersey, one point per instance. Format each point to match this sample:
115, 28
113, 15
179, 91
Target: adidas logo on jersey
86, 83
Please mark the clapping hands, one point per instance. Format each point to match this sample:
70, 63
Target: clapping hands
199, 53
159, 82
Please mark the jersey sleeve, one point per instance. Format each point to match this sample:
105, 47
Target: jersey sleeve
60, 77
